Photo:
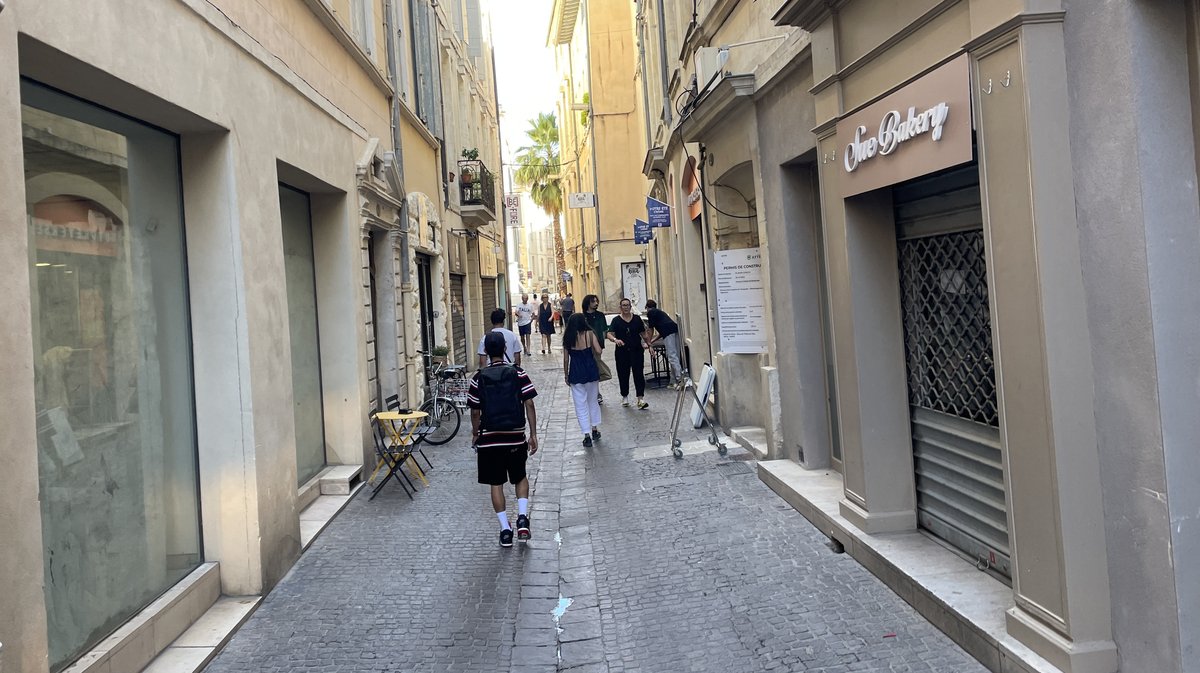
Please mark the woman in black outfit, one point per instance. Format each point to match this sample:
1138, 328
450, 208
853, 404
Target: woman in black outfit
628, 332
546, 322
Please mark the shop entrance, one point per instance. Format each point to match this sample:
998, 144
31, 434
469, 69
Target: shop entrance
951, 374
425, 300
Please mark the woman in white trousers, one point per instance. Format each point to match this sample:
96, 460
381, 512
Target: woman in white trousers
581, 348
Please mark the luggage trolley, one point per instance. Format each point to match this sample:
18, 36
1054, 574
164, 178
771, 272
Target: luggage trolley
687, 390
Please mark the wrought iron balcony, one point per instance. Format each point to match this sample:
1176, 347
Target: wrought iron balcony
476, 193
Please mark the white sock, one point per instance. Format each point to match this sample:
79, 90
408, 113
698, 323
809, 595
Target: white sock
503, 516
523, 506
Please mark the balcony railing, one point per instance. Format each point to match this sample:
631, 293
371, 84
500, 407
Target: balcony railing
476, 192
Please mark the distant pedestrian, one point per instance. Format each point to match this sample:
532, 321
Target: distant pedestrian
524, 313
599, 324
581, 347
567, 307
628, 331
546, 322
662, 327
501, 400
512, 351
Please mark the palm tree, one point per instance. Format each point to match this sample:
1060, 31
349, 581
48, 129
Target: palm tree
538, 169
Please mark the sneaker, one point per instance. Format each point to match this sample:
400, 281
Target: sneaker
596, 435
599, 399
643, 404
624, 401
523, 528
587, 440
506, 537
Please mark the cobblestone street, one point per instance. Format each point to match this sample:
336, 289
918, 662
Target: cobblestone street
639, 562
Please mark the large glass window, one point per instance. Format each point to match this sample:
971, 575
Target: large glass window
300, 268
112, 356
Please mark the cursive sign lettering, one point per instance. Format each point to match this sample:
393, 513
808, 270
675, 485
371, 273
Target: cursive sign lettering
893, 131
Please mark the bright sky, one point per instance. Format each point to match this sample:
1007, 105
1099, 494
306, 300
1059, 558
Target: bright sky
525, 72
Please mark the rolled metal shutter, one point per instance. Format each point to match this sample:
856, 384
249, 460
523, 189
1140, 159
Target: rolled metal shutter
951, 375
458, 317
489, 301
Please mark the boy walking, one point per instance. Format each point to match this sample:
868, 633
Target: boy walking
501, 400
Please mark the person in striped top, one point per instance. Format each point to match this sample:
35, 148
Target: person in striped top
501, 401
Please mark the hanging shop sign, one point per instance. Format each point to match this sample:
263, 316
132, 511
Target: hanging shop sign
658, 213
741, 301
512, 210
691, 187
921, 128
642, 232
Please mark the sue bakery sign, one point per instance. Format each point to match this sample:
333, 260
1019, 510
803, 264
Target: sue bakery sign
921, 128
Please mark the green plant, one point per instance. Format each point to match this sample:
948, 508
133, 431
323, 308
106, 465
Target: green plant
584, 115
439, 351
471, 154
538, 168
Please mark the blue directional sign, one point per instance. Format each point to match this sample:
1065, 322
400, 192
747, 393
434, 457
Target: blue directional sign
642, 233
658, 213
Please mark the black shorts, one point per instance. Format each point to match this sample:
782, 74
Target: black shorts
498, 464
525, 330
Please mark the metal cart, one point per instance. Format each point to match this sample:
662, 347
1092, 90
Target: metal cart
687, 391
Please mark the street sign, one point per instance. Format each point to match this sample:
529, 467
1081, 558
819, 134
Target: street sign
581, 200
642, 232
658, 212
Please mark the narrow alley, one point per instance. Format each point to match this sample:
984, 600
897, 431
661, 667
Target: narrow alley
663, 565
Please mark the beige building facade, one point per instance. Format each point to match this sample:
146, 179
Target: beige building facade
600, 133
219, 216
977, 291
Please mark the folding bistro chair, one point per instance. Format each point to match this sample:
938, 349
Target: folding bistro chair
389, 458
393, 404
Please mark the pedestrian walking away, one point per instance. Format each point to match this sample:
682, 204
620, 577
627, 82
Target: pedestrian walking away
599, 324
501, 401
580, 350
524, 313
662, 327
512, 350
546, 322
628, 332
567, 308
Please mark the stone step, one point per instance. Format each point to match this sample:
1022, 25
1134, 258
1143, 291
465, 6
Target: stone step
192, 651
751, 438
340, 479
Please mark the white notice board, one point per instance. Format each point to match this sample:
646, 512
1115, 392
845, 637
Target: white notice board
741, 302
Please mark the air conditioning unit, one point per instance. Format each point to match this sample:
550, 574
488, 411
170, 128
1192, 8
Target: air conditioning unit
710, 67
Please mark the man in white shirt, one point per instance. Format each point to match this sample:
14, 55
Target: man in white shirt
525, 312
512, 350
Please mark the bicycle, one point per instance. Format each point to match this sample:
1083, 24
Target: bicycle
446, 387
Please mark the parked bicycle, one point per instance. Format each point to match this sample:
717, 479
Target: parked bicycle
446, 396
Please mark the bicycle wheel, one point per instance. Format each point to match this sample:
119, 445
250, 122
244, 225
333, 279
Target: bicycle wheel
441, 426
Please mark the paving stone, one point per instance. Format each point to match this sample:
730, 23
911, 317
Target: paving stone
670, 565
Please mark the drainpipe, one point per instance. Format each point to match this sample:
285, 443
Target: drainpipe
389, 22
587, 35
662, 56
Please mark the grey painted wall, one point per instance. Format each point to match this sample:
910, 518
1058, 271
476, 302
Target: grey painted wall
1139, 222
792, 219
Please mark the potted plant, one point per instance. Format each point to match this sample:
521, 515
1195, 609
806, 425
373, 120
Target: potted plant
439, 354
471, 154
468, 172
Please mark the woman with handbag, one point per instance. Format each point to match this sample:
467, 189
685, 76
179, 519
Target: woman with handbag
581, 353
599, 324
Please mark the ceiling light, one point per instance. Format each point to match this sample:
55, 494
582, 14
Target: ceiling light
42, 264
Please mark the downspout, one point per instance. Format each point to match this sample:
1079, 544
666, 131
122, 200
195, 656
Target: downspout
587, 34
662, 56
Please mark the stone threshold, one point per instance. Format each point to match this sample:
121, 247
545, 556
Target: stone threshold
192, 651
966, 604
321, 511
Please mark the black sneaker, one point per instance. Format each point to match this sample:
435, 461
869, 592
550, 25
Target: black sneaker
587, 440
595, 434
523, 528
599, 399
506, 537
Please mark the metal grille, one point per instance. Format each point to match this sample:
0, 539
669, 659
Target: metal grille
947, 330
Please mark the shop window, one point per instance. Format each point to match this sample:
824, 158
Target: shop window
112, 359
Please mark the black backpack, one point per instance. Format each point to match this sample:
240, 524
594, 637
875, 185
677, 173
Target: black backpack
500, 398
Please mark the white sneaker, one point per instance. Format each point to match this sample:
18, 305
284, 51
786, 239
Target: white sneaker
624, 401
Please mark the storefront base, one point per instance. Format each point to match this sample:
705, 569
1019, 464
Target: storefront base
969, 606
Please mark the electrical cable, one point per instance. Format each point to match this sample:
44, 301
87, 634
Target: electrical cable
703, 195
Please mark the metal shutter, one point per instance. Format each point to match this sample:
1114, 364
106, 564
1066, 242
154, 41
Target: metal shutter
489, 301
458, 318
951, 376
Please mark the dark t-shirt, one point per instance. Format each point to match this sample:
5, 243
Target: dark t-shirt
629, 332
508, 438
568, 305
660, 322
599, 324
